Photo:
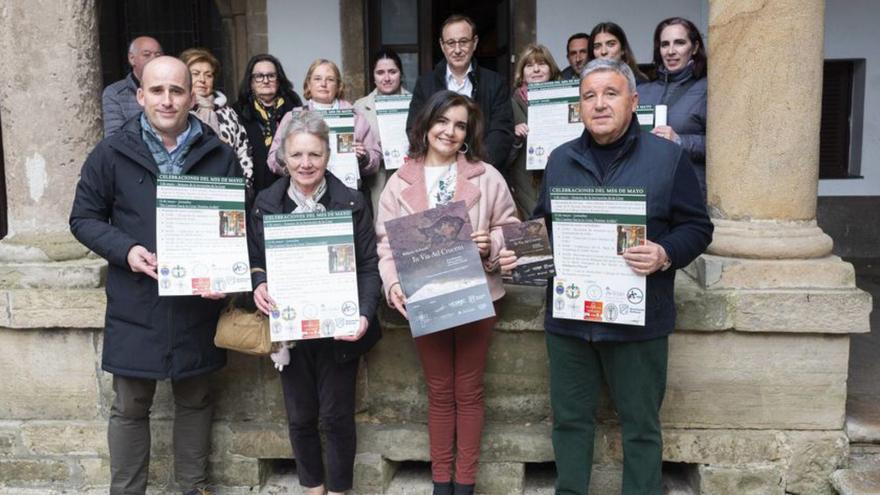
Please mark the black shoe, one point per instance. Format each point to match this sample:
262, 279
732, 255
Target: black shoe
462, 489
443, 488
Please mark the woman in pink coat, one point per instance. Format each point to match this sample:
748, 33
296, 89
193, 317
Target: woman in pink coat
445, 146
323, 89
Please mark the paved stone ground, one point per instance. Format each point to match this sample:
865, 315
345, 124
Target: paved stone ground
863, 387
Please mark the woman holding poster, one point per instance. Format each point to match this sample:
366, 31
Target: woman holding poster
388, 79
445, 166
535, 65
318, 376
324, 89
681, 85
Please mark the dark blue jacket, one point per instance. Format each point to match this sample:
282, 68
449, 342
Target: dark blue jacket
676, 219
145, 336
490, 92
338, 197
687, 115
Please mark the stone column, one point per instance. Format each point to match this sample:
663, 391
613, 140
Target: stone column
765, 99
50, 89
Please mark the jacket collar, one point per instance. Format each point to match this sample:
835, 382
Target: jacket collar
130, 143
271, 200
581, 154
415, 194
680, 76
440, 75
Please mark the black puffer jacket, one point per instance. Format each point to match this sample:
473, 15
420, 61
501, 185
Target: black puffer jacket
145, 336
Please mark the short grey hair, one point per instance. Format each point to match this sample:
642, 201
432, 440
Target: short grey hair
304, 122
604, 64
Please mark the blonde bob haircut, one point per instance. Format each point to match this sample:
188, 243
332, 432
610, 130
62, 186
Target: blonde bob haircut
340, 86
192, 56
531, 54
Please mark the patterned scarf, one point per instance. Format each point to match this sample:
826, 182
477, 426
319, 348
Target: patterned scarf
269, 118
308, 204
204, 110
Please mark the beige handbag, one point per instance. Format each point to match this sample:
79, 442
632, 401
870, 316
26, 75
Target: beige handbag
243, 330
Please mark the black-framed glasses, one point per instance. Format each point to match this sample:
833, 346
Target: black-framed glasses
261, 77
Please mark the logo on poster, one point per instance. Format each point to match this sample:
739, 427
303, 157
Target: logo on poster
635, 295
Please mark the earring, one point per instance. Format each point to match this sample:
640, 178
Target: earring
465, 150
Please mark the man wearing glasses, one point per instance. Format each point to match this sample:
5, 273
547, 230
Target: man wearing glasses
458, 72
119, 101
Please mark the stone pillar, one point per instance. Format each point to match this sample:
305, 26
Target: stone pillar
765, 100
50, 102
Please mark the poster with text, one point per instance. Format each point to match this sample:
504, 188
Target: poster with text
592, 227
554, 118
201, 243
529, 241
311, 273
391, 113
440, 269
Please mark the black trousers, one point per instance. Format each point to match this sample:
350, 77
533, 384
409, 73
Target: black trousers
319, 398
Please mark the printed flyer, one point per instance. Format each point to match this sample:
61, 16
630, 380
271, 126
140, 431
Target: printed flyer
439, 268
312, 275
554, 118
592, 227
532, 247
391, 113
343, 159
201, 242
651, 116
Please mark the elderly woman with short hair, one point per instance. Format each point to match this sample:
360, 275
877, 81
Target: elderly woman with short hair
212, 110
319, 381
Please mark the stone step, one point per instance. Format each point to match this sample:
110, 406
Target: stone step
85, 273
856, 481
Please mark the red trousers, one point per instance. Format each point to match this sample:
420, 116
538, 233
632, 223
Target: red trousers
453, 362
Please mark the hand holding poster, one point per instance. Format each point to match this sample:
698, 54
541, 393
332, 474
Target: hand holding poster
312, 275
343, 159
554, 118
439, 268
529, 241
201, 242
651, 116
391, 113
592, 227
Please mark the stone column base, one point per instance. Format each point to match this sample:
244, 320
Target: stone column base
769, 239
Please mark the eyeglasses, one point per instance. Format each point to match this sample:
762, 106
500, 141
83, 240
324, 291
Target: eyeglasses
464, 43
260, 77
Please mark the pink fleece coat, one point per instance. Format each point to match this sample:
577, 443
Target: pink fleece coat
362, 134
479, 185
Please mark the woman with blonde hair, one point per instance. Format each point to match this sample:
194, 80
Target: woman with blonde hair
324, 89
534, 65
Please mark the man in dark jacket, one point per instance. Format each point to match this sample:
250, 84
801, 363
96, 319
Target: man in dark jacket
119, 100
148, 338
576, 50
458, 72
613, 152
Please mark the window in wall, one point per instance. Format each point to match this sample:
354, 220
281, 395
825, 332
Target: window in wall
843, 102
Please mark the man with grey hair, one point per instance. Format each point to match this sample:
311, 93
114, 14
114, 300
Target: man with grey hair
631, 360
119, 101
148, 338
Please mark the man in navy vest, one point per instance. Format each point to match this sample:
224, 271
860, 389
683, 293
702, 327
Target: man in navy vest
631, 360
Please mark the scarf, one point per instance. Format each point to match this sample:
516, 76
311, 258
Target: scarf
269, 117
204, 110
523, 92
307, 204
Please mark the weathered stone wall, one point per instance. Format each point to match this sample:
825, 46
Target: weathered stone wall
754, 411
